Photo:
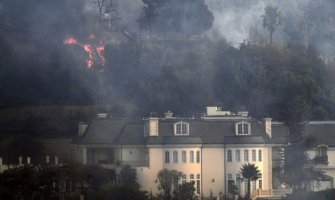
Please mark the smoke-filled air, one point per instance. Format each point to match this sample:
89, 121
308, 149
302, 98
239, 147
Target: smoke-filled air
132, 57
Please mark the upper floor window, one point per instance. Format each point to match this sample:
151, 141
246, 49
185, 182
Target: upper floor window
246, 155
198, 157
191, 156
167, 157
242, 128
253, 155
175, 157
229, 156
237, 155
259, 155
183, 156
181, 128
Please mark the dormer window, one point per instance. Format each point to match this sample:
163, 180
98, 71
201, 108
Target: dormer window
242, 128
181, 128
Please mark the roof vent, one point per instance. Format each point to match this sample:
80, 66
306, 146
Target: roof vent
102, 115
168, 115
216, 111
243, 113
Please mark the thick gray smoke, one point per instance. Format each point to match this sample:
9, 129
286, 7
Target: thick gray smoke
238, 20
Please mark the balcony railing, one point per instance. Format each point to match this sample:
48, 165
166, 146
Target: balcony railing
136, 163
321, 160
271, 193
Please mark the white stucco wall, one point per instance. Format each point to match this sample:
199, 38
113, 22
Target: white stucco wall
134, 155
213, 170
147, 175
265, 166
328, 169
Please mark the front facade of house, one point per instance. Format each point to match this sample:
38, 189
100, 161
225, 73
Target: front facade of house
209, 150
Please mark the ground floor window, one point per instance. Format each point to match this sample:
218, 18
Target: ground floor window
183, 178
198, 186
238, 182
260, 184
192, 178
246, 189
231, 184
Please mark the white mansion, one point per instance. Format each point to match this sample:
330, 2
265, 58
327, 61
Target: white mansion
209, 149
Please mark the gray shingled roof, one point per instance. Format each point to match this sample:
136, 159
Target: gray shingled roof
320, 132
174, 140
132, 133
214, 131
279, 133
122, 131
246, 139
103, 132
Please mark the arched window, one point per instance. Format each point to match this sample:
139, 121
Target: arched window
321, 154
242, 128
181, 128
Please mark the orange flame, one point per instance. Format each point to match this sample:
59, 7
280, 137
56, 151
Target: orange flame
70, 41
100, 49
91, 52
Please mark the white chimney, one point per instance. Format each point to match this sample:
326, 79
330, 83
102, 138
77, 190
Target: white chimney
0, 161
152, 127
20, 160
56, 160
268, 126
28, 160
47, 159
82, 126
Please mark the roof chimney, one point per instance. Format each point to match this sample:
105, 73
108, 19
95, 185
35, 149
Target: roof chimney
82, 126
268, 126
168, 115
152, 126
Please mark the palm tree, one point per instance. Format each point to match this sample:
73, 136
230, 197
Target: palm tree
271, 20
251, 173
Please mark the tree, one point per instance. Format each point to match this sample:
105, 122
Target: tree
106, 8
176, 18
29, 182
26, 146
123, 192
149, 14
271, 20
184, 191
129, 177
168, 179
297, 170
251, 173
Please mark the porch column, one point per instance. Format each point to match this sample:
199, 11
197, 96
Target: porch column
270, 167
84, 156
